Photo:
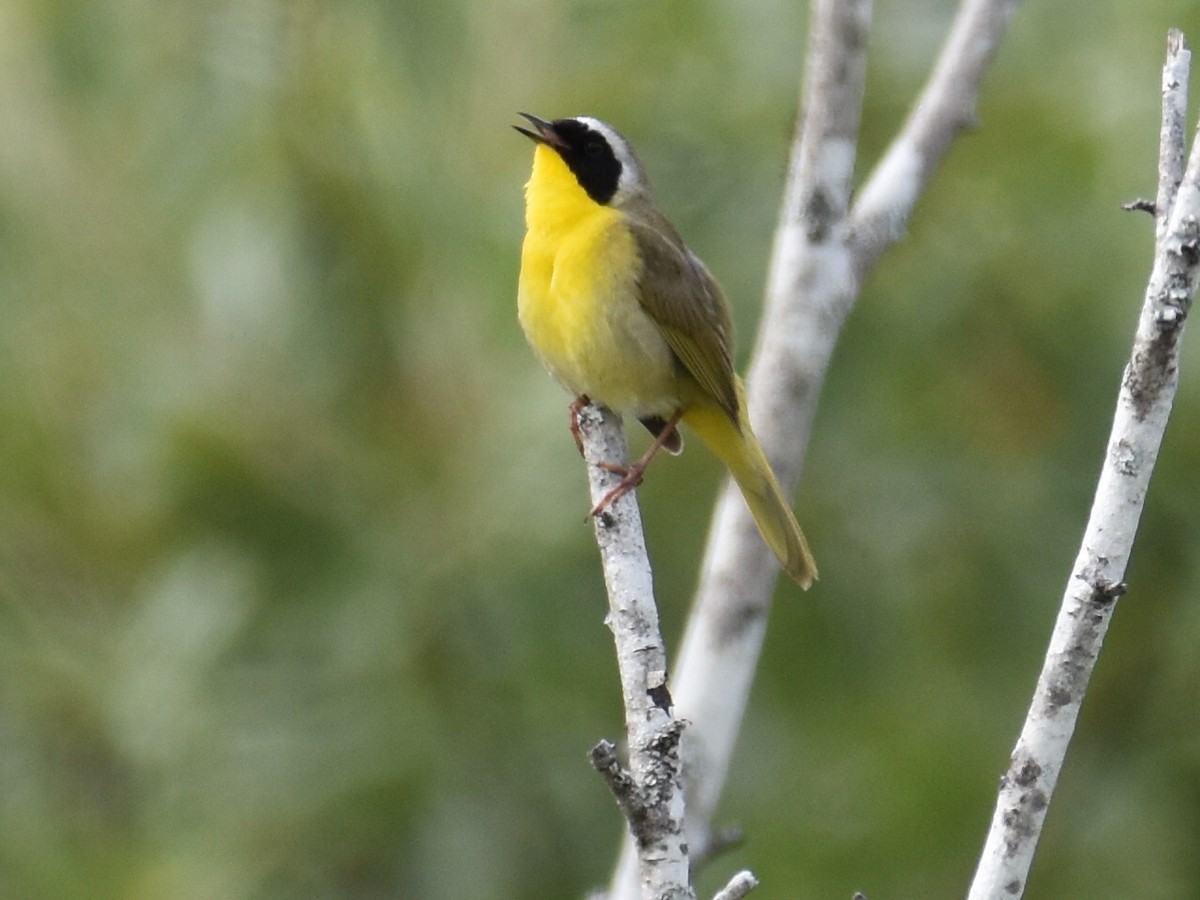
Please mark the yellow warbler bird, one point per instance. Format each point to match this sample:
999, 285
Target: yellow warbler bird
623, 313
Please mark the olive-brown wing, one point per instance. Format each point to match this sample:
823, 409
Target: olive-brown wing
686, 303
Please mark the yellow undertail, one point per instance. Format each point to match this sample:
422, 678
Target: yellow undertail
741, 453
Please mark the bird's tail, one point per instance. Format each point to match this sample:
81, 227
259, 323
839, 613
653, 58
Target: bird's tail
739, 450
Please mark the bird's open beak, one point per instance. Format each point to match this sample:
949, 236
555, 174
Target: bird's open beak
545, 133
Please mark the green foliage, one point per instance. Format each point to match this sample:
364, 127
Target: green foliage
296, 597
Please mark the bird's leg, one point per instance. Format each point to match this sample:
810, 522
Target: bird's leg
631, 476
580, 402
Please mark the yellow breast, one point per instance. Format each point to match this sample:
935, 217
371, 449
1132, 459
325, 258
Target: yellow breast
577, 299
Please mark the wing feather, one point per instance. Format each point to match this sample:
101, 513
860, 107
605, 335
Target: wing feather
683, 299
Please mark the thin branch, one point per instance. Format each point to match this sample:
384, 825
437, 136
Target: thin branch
620, 781
739, 886
1141, 204
817, 267
650, 793
644, 804
1172, 137
1143, 408
946, 107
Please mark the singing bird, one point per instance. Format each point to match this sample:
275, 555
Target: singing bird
622, 313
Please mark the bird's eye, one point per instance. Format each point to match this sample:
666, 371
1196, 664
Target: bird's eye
593, 147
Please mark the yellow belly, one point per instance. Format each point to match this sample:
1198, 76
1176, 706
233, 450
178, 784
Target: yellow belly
577, 301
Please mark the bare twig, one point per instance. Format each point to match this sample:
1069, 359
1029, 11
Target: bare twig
739, 886
946, 106
822, 251
1172, 137
645, 803
620, 781
1141, 204
1143, 408
650, 793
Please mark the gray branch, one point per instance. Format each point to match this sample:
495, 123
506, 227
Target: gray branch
1143, 408
808, 284
650, 793
739, 886
1172, 137
946, 107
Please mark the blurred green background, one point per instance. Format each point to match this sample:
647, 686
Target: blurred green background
296, 597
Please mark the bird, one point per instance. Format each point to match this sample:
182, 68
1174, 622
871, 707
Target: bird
622, 313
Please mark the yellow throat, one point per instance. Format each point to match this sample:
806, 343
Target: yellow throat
577, 297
